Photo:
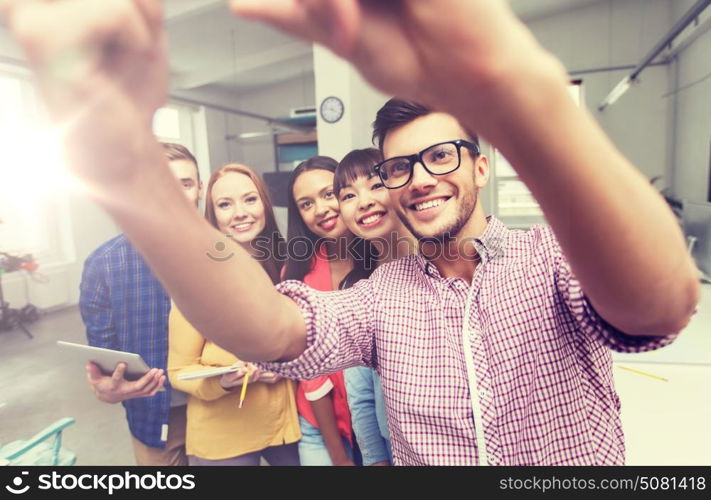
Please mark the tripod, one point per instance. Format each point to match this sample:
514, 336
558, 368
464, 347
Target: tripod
15, 318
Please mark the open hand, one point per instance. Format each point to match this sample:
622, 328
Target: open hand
115, 388
101, 68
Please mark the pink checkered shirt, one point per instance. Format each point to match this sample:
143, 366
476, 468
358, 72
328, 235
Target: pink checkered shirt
542, 385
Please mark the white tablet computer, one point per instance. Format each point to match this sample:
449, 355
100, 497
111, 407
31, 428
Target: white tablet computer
211, 372
106, 359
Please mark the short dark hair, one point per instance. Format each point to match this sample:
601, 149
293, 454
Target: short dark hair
357, 163
398, 112
174, 151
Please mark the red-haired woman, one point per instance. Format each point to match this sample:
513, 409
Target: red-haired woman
266, 426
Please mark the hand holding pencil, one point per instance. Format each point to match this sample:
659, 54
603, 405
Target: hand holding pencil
243, 376
229, 381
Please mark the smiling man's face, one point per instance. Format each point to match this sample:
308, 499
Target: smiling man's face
435, 207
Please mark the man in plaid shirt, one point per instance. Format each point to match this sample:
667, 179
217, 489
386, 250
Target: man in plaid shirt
492, 344
488, 348
124, 307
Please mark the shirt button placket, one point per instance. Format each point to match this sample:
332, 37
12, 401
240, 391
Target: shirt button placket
481, 362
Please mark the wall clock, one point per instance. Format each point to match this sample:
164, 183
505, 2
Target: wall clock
331, 109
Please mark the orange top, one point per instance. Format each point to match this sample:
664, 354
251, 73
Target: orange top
217, 428
310, 390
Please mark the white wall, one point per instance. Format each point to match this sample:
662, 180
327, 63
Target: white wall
610, 34
691, 83
334, 77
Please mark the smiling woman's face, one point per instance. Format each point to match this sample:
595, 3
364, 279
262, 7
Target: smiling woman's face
317, 203
239, 209
366, 208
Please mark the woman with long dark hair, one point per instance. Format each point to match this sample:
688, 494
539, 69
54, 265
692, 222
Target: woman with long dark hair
220, 430
317, 244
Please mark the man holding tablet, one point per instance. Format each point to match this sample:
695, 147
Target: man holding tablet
125, 308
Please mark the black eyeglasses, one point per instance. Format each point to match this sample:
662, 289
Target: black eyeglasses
439, 159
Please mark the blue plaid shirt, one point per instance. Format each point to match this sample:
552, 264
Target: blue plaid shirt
124, 307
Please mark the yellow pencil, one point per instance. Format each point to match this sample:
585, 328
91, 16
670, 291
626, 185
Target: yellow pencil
640, 372
244, 387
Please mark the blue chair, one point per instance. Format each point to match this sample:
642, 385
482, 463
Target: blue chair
37, 451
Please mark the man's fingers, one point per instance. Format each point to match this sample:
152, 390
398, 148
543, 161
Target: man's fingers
159, 383
93, 373
146, 380
130, 27
153, 385
118, 375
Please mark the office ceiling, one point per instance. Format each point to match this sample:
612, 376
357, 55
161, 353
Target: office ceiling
210, 48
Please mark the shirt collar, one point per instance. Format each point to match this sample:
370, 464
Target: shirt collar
490, 245
492, 242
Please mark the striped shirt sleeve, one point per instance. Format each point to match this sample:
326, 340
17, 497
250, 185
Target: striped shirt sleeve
339, 330
582, 311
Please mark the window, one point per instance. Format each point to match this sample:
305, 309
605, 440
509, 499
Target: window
33, 205
513, 202
166, 124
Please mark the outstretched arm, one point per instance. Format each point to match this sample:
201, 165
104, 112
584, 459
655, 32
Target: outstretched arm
103, 73
478, 62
